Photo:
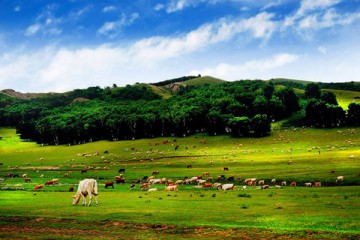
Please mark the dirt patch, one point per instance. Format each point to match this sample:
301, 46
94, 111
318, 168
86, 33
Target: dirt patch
34, 228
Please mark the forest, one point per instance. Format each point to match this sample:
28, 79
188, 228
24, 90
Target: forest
241, 108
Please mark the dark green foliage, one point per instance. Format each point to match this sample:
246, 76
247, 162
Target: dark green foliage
240, 108
312, 90
354, 115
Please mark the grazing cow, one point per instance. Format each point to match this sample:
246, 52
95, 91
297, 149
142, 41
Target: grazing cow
48, 183
273, 180
201, 182
121, 170
252, 182
71, 189
225, 187
155, 172
317, 184
225, 169
109, 184
308, 184
206, 174
231, 179
189, 166
83, 171
42, 176
243, 188
132, 186
207, 185
261, 181
24, 175
120, 179
144, 186
293, 184
152, 189
37, 187
171, 188
179, 182
177, 147
27, 180
247, 181
55, 180
265, 186
86, 187
66, 174
283, 183
277, 186
340, 179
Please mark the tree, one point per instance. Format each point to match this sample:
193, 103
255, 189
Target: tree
353, 114
312, 90
329, 97
261, 125
240, 126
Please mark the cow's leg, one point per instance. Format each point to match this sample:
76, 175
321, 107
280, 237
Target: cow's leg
90, 199
96, 199
84, 199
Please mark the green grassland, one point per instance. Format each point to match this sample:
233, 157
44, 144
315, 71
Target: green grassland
301, 155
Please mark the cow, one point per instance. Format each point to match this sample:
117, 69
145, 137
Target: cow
155, 172
225, 169
71, 189
277, 186
48, 183
132, 186
243, 188
225, 187
109, 184
152, 189
120, 179
171, 188
207, 185
293, 184
317, 184
24, 175
231, 179
27, 180
37, 187
308, 184
86, 187
145, 186
265, 186
121, 170
66, 174
340, 179
273, 180
262, 182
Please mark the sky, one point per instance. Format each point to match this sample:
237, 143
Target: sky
61, 45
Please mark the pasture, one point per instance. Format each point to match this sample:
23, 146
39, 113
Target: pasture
300, 155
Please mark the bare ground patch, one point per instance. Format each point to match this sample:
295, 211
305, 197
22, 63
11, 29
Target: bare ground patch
53, 228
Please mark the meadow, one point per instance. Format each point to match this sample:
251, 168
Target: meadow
301, 155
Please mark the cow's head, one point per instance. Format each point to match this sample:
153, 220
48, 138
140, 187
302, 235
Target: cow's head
76, 199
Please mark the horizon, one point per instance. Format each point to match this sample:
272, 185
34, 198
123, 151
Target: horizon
57, 46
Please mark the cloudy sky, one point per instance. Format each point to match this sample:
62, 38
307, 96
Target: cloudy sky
60, 45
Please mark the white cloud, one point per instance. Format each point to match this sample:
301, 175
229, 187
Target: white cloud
158, 7
33, 29
111, 29
109, 8
322, 49
253, 69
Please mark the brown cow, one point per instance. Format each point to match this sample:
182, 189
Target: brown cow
109, 184
48, 183
38, 187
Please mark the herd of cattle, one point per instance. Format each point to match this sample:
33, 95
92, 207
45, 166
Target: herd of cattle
89, 187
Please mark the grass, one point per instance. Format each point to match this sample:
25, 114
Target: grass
344, 97
328, 212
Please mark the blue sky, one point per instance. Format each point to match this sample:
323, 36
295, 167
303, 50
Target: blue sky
57, 46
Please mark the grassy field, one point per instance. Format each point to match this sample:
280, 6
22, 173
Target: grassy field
301, 155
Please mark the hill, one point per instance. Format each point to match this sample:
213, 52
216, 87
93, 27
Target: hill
203, 80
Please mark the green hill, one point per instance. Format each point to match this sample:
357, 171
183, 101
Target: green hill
203, 80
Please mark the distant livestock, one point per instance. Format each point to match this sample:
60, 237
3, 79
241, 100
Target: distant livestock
265, 186
37, 187
48, 183
225, 187
171, 188
109, 184
86, 187
340, 179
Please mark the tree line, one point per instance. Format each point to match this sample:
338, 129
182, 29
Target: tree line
240, 108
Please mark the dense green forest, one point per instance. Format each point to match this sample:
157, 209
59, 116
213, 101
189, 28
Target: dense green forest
240, 108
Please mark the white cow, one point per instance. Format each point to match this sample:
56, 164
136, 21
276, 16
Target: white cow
86, 187
228, 186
